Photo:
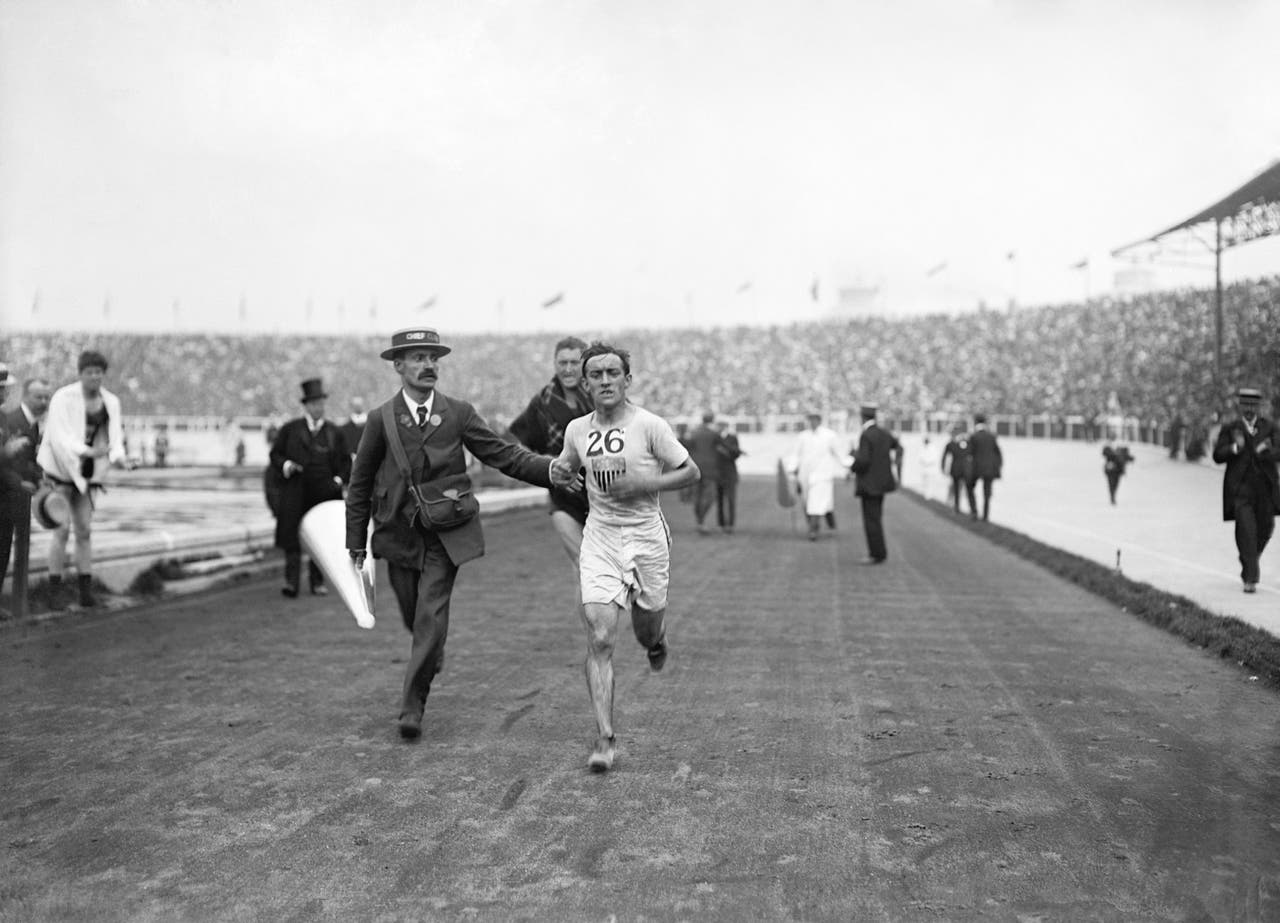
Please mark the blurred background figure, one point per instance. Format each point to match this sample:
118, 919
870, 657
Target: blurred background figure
353, 427
701, 442
727, 454
818, 463
1115, 461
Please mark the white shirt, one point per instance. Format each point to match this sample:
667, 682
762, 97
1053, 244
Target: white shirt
414, 405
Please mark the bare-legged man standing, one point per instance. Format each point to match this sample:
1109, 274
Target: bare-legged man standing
630, 456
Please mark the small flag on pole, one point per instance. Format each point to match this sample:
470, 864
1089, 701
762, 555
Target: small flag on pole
373, 309
744, 287
553, 300
1011, 255
937, 269
1083, 264
428, 304
813, 289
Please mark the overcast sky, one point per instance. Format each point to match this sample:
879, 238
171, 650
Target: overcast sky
250, 164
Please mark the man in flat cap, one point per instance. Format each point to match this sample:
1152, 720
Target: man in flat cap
1250, 484
313, 462
410, 477
877, 465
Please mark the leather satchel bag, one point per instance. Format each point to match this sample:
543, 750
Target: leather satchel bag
441, 504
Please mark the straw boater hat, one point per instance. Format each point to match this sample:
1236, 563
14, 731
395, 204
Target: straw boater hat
1248, 395
415, 338
51, 508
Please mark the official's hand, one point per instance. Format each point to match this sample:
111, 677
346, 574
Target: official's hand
15, 445
1263, 446
337, 480
98, 451
357, 558
289, 468
562, 473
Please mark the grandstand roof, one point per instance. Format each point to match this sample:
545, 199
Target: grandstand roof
1255, 195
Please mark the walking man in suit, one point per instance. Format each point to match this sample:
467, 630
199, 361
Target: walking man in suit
1250, 484
877, 460
986, 464
957, 462
313, 462
727, 454
701, 443
423, 556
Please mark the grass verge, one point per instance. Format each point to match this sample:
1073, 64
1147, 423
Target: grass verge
1251, 647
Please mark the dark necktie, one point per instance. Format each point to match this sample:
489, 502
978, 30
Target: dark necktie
422, 418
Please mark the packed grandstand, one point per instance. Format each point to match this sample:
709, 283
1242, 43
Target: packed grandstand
1153, 354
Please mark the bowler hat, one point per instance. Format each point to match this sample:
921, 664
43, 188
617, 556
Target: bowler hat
50, 507
415, 338
313, 390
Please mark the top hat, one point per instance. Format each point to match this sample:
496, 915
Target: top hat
50, 507
415, 338
313, 390
979, 418
1249, 395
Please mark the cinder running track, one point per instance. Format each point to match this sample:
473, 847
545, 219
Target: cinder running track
954, 735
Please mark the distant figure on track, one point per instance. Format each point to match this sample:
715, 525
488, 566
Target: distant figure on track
425, 548
875, 464
631, 456
986, 463
702, 442
1115, 461
728, 451
1250, 484
957, 462
819, 462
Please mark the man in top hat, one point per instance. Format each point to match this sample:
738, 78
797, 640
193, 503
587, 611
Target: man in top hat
985, 464
23, 424
313, 463
877, 466
1250, 484
423, 557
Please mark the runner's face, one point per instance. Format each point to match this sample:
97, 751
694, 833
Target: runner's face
569, 368
606, 381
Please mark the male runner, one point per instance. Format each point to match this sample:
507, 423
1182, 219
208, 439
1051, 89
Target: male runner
630, 456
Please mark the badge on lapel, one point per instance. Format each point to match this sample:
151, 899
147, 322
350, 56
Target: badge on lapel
404, 420
436, 419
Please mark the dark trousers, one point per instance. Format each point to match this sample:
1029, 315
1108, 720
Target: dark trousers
704, 494
726, 504
873, 526
424, 597
986, 497
1113, 481
7, 521
293, 570
960, 487
1255, 522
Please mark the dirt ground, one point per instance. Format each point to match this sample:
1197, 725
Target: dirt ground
953, 735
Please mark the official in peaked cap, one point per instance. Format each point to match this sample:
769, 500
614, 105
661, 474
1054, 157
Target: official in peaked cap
1248, 447
415, 338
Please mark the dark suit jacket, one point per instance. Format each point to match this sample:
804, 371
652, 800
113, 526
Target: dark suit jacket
701, 443
727, 452
377, 490
313, 485
878, 452
987, 460
1252, 462
22, 467
960, 455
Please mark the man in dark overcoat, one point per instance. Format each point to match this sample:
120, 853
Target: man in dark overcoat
701, 442
23, 475
422, 560
1250, 484
957, 462
985, 465
728, 451
313, 463
877, 459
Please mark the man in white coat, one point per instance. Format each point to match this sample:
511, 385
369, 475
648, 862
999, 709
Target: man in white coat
84, 436
819, 462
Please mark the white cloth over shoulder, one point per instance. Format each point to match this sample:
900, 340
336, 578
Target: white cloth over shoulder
63, 445
818, 462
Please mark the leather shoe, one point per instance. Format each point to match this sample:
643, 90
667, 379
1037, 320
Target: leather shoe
290, 591
1251, 588
410, 726
869, 561
320, 590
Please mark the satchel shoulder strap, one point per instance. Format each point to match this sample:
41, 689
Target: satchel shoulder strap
393, 438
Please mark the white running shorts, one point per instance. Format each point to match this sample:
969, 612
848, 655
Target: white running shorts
627, 565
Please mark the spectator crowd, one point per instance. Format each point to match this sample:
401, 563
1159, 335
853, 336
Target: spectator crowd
1155, 352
